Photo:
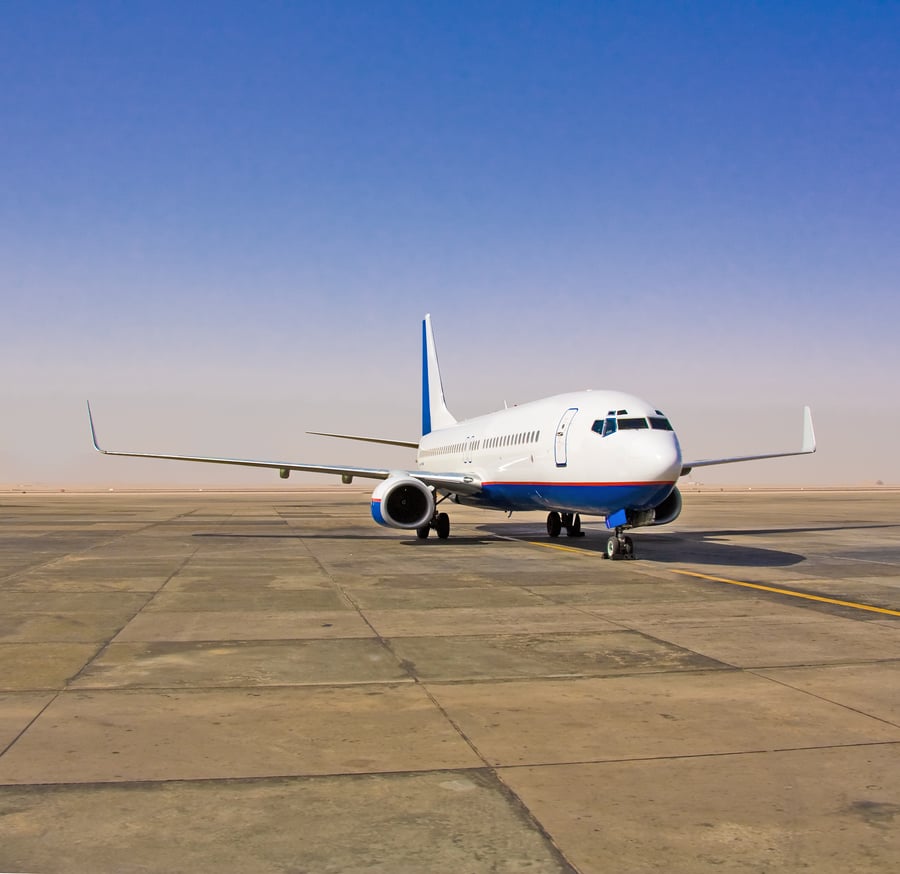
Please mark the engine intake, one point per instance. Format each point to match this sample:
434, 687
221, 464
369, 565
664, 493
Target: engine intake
402, 502
669, 510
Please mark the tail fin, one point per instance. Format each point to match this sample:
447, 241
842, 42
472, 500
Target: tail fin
434, 410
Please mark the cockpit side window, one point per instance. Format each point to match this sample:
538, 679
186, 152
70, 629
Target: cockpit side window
605, 427
660, 423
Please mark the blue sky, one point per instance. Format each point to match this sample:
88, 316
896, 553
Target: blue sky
222, 222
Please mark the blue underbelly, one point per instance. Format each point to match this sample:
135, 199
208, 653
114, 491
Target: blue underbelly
597, 499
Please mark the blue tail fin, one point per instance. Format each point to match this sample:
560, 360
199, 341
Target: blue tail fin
435, 414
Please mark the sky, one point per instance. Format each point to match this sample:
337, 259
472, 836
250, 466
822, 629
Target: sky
222, 222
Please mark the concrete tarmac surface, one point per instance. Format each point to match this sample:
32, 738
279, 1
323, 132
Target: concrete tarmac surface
269, 682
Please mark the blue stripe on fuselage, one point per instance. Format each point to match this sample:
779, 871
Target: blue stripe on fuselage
597, 499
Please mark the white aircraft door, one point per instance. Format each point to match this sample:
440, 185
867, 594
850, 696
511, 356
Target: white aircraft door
562, 429
468, 448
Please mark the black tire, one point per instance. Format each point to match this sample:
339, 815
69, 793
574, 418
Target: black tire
422, 533
612, 547
442, 525
574, 528
554, 524
629, 547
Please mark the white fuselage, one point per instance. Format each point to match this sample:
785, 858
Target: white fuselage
551, 455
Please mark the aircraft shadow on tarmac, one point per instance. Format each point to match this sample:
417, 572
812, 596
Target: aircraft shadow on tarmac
808, 529
702, 547
243, 535
705, 547
696, 547
338, 535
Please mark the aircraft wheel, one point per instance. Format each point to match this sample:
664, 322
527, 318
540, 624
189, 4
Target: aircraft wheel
422, 533
629, 548
612, 547
442, 525
554, 524
574, 527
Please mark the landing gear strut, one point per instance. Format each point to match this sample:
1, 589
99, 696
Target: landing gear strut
619, 546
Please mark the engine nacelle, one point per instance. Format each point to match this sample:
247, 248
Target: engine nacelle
669, 510
666, 511
402, 502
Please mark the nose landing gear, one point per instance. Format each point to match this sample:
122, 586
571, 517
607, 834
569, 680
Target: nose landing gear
619, 546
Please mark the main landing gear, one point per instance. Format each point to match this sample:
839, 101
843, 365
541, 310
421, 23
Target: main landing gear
619, 546
570, 521
441, 525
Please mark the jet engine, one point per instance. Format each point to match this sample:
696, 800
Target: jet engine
402, 502
669, 510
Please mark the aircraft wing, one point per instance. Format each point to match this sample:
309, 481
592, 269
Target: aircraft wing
807, 447
461, 483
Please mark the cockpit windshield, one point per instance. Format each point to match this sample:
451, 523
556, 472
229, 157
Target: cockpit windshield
605, 427
619, 420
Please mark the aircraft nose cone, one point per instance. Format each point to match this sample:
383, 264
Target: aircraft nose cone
666, 458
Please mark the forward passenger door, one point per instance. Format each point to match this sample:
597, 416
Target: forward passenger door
562, 431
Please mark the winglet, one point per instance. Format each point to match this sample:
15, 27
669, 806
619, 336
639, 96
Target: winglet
809, 435
93, 432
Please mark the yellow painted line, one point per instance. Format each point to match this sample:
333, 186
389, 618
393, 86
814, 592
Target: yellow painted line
548, 545
790, 592
560, 548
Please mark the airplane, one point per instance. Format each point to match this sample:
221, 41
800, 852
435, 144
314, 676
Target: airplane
593, 452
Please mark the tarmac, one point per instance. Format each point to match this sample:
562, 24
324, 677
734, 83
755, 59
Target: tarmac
269, 682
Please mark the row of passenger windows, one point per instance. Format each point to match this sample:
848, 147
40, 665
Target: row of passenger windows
512, 439
489, 443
